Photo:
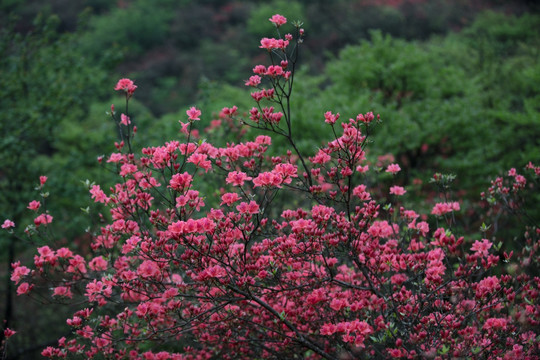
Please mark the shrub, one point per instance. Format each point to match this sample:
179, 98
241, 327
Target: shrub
304, 257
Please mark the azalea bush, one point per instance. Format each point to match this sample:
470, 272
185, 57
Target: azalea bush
298, 256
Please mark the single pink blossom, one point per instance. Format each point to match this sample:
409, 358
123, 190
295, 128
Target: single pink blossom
397, 190
24, 288
330, 118
98, 195
62, 291
126, 85
193, 113
253, 81
278, 20
8, 224
393, 169
259, 69
34, 205
237, 178
98, 264
229, 198
9, 333
124, 120
481, 248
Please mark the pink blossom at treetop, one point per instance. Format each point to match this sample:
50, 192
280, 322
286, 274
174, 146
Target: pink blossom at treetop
126, 85
367, 118
278, 20
330, 118
193, 113
42, 180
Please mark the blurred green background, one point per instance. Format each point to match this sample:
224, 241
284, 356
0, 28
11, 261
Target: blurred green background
457, 84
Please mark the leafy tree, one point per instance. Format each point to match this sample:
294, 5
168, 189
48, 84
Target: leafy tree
47, 85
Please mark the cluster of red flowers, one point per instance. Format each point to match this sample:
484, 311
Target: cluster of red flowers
339, 277
126, 85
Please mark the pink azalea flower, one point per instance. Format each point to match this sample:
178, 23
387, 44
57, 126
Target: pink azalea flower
126, 85
271, 43
98, 195
8, 224
481, 248
245, 208
330, 118
9, 333
18, 273
149, 269
63, 291
259, 69
193, 113
397, 190
367, 118
487, 285
237, 178
278, 20
253, 81
24, 288
229, 198
43, 219
267, 179
124, 120
393, 169
443, 208
98, 264
180, 182
34, 205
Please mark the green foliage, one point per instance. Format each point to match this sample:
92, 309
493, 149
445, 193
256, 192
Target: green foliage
47, 87
391, 66
132, 30
46, 81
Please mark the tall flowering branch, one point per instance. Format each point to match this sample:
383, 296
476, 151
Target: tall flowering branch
125, 128
283, 53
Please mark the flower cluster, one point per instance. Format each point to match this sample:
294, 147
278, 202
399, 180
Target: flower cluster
291, 255
126, 85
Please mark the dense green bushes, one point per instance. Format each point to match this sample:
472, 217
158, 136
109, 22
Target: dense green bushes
461, 103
